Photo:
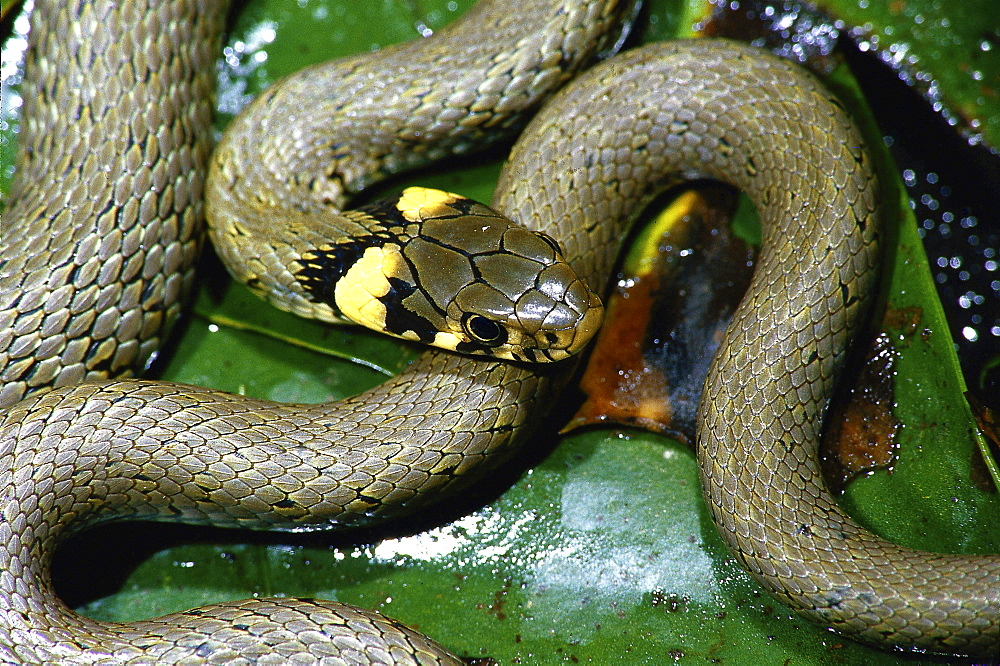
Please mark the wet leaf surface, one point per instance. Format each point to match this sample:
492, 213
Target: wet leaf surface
984, 467
949, 52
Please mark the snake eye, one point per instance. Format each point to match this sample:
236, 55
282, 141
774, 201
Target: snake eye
483, 330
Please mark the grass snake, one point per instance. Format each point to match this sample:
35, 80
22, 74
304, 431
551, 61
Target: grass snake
108, 205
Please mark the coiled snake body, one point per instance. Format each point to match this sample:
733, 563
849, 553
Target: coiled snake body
596, 151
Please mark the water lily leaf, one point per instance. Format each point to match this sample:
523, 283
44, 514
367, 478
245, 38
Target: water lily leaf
948, 52
223, 304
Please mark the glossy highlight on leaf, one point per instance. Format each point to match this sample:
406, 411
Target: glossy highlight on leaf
948, 51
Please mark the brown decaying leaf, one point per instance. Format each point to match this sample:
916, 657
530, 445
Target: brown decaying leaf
862, 432
676, 295
989, 423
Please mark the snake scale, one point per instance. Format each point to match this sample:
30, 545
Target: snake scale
107, 205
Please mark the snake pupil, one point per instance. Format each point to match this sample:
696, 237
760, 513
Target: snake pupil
482, 329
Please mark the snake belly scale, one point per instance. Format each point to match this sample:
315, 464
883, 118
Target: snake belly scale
597, 150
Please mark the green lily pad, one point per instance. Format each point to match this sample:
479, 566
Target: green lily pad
595, 547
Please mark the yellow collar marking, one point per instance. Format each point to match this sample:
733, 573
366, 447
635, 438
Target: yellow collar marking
357, 292
419, 203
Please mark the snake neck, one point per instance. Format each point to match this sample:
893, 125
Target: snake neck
273, 196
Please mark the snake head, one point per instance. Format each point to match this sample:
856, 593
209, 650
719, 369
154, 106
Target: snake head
524, 301
453, 273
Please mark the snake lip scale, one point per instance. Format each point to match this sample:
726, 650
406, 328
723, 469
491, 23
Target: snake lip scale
105, 224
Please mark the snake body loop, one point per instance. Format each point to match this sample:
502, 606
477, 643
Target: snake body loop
714, 109
596, 151
102, 226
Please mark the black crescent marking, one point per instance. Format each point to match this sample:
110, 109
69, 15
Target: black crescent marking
398, 318
382, 217
323, 267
